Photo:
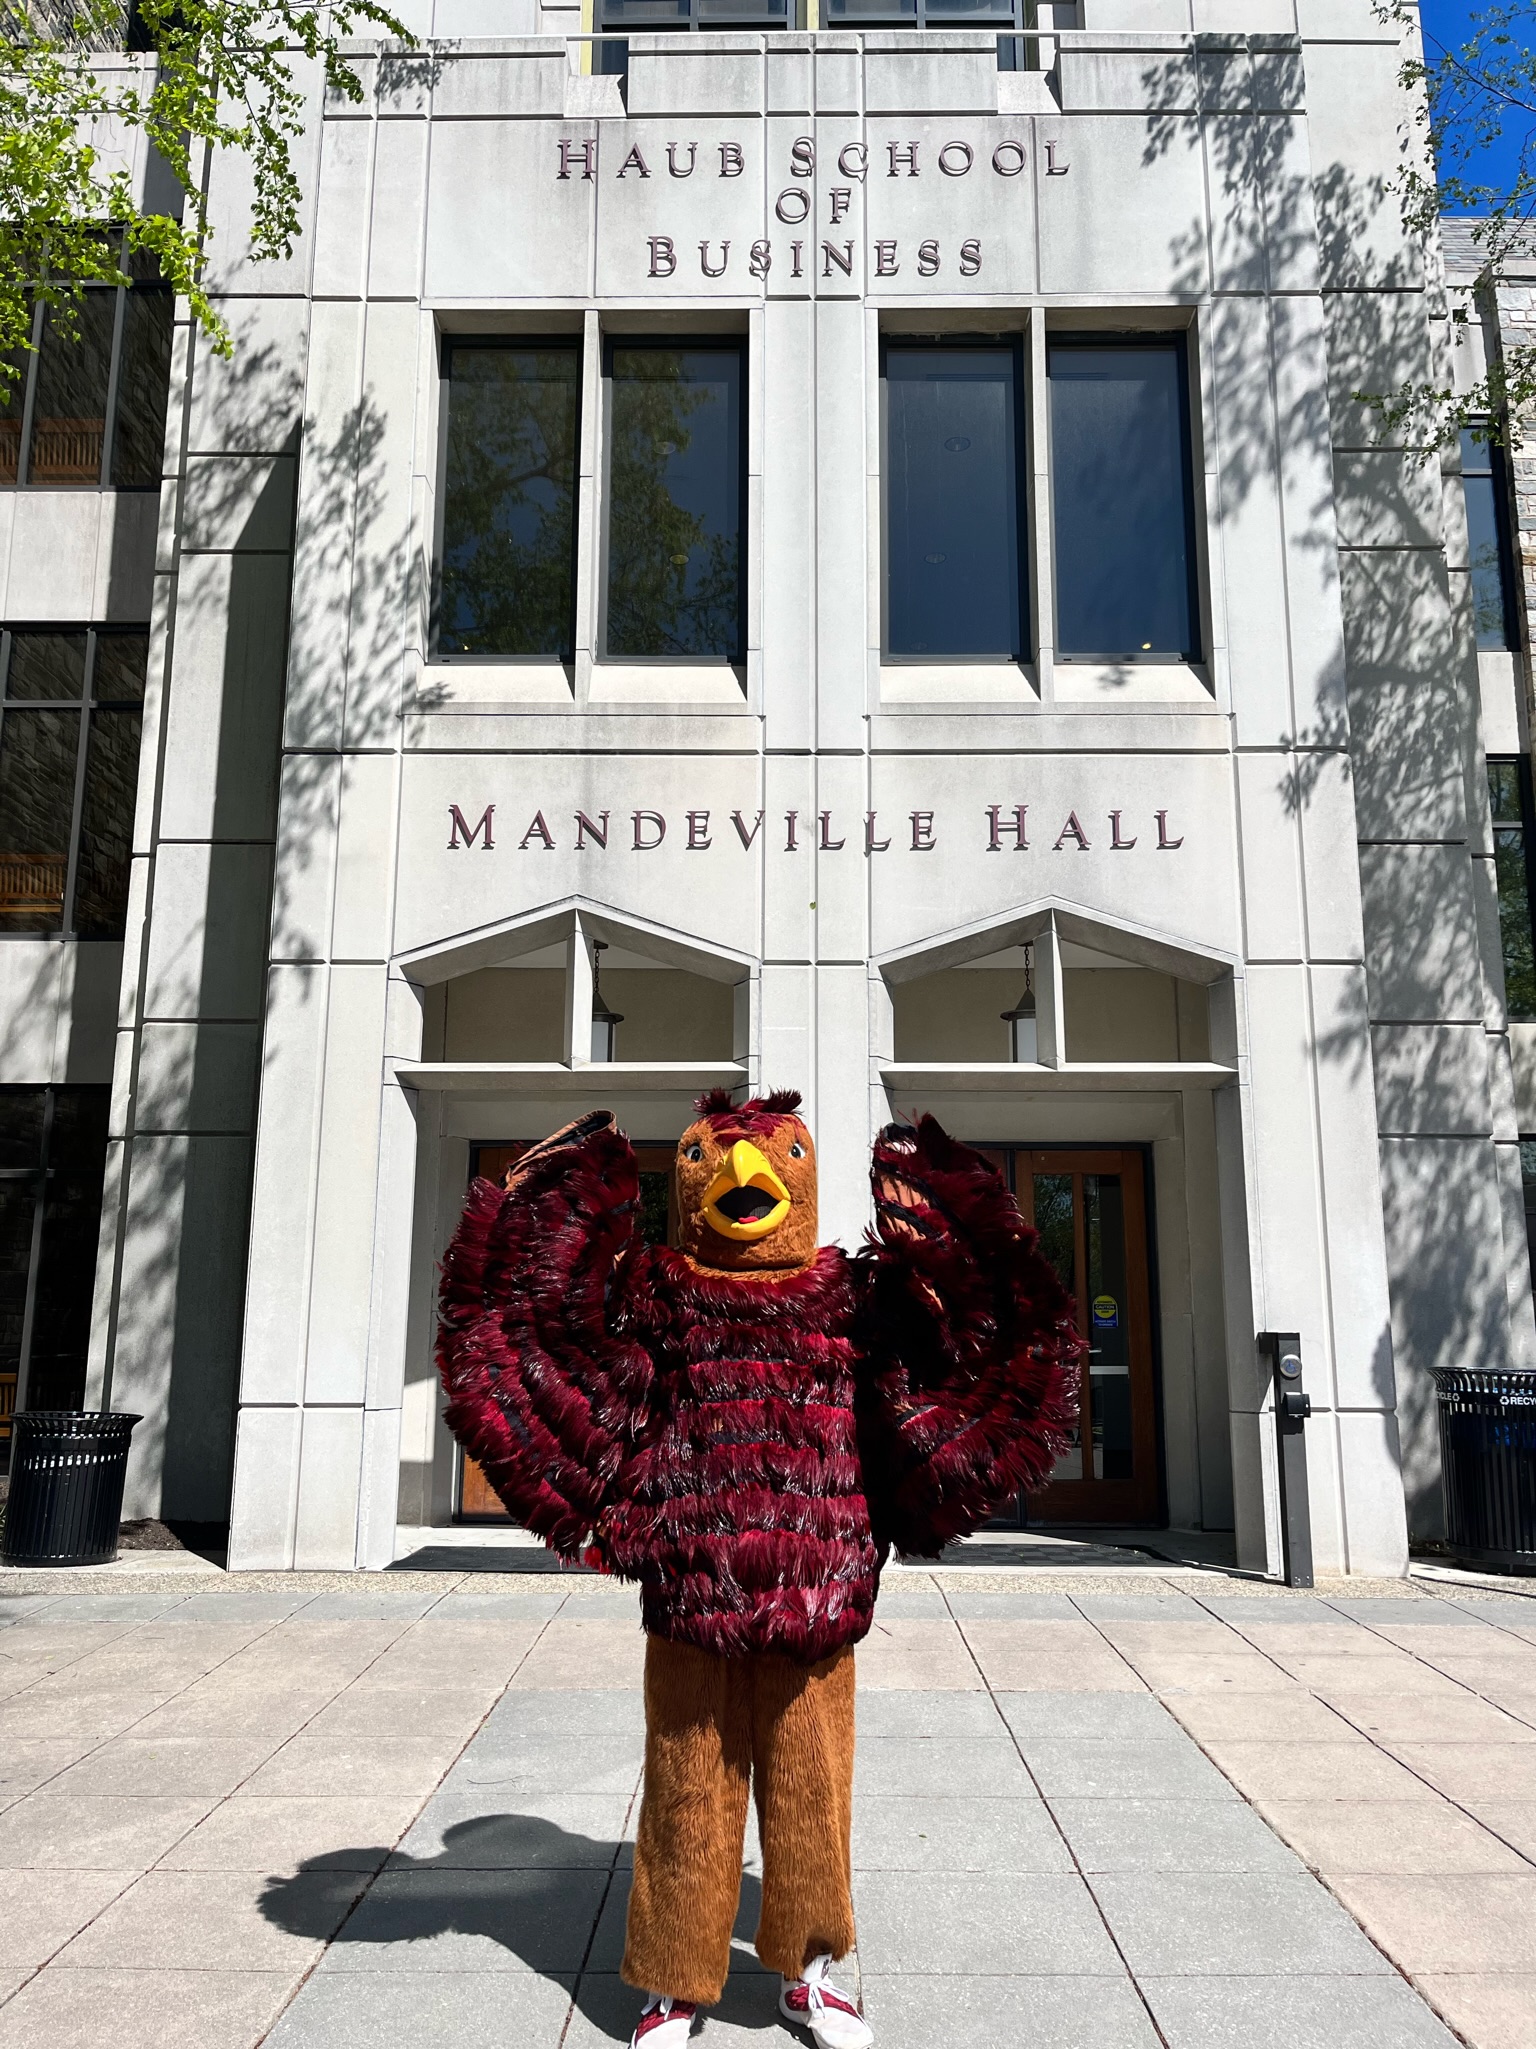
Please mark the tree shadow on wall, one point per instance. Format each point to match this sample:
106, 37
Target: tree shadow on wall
1378, 752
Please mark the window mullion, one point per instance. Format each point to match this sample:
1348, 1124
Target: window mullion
114, 379
34, 1257
29, 402
77, 815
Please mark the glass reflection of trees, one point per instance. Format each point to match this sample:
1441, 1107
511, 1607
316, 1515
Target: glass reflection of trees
674, 503
509, 501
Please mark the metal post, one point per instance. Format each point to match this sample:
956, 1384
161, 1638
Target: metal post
1292, 1407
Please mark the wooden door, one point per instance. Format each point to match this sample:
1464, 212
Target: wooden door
1090, 1209
478, 1502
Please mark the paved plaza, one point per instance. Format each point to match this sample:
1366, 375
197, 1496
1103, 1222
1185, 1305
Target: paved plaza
1093, 1811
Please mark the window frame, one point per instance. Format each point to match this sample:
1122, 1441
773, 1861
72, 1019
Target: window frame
1015, 342
85, 706
31, 369
1497, 472
1521, 763
37, 1178
724, 339
572, 341
1177, 340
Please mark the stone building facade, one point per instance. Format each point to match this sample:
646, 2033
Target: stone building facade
835, 553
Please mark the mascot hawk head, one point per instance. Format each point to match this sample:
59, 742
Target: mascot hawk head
746, 1186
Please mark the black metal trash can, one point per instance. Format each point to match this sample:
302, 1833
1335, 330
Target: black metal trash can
66, 1494
1488, 1464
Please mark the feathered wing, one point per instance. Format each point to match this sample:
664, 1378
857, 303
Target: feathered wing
969, 1342
540, 1390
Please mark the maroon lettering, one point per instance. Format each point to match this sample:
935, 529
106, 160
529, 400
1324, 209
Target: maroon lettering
584, 827
843, 258
731, 161
742, 834
871, 844
698, 831
791, 823
903, 158
1117, 843
793, 205
635, 162
1008, 159
842, 198
927, 259
853, 159
663, 256
963, 157
648, 818
922, 832
999, 825
1166, 845
693, 157
719, 269
583, 153
826, 843
802, 157
885, 259
1072, 830
538, 831
970, 258
456, 826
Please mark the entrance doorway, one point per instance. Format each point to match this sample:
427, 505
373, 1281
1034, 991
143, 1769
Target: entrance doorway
1090, 1208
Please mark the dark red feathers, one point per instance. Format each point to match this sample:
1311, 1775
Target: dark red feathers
747, 1447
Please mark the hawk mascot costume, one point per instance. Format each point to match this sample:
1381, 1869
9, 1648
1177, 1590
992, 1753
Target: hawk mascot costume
746, 1423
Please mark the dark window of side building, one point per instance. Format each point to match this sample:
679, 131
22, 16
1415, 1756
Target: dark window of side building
507, 548
1509, 800
1484, 487
1123, 500
88, 407
954, 583
53, 1149
675, 501
71, 708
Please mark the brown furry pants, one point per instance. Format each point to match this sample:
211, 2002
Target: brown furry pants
712, 1725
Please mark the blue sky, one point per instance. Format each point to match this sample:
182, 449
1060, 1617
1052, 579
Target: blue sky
1449, 22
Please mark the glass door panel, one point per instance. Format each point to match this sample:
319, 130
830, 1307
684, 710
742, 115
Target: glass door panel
1090, 1211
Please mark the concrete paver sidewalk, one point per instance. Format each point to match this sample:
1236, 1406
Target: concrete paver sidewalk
402, 1811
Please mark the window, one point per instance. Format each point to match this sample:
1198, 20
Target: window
69, 762
1509, 801
53, 1151
663, 17
91, 409
953, 563
676, 484
1013, 54
1123, 500
1493, 581
508, 545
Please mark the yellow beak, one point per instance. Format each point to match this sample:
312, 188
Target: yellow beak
745, 1179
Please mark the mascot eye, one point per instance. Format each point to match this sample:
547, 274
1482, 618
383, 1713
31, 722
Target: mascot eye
797, 1151
694, 1152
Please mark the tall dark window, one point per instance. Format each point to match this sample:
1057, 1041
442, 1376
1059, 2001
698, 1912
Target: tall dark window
90, 408
508, 550
1483, 486
676, 484
662, 17
70, 717
1509, 801
53, 1150
1124, 501
953, 562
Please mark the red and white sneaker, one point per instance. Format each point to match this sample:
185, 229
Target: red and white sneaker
664, 2023
833, 2019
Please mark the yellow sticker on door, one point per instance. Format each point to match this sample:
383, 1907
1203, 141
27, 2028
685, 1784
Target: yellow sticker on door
1106, 1313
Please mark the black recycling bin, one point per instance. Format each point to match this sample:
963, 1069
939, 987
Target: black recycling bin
1488, 1465
66, 1495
